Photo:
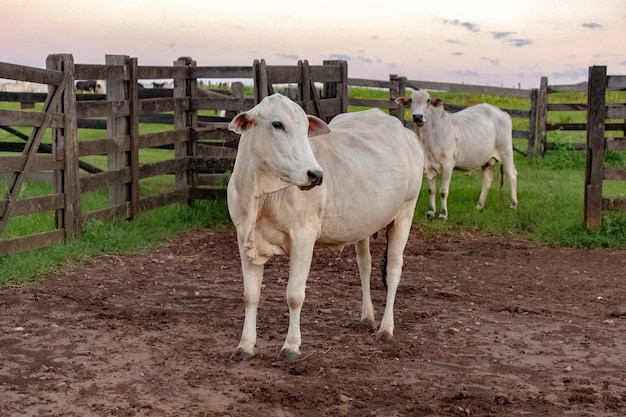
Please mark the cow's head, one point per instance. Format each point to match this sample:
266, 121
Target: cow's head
276, 142
419, 102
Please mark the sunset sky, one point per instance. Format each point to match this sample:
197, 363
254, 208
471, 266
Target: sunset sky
485, 42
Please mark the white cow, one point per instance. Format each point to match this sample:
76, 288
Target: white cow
476, 137
372, 169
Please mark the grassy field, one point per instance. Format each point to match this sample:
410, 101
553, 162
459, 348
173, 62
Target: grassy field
550, 212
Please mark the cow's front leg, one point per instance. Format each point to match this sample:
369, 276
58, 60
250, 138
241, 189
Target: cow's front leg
252, 279
300, 258
432, 197
446, 177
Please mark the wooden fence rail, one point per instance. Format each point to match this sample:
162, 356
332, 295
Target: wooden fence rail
596, 170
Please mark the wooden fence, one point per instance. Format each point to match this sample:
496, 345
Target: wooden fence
596, 171
202, 147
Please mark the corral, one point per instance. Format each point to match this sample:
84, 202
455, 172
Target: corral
485, 326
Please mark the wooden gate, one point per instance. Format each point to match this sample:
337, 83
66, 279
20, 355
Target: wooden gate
59, 116
596, 170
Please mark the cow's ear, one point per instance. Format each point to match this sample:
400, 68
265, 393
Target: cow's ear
403, 101
241, 123
437, 102
317, 127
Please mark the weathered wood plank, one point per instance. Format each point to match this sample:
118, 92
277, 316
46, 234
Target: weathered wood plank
179, 195
360, 82
87, 109
616, 111
162, 72
30, 74
104, 179
212, 179
35, 204
208, 193
362, 102
104, 146
614, 174
109, 214
170, 166
221, 72
569, 88
468, 88
615, 144
567, 107
169, 137
29, 119
32, 242
616, 82
11, 164
101, 72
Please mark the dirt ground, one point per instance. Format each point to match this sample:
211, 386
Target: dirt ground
484, 327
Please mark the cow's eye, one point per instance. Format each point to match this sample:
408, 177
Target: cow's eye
278, 125
429, 100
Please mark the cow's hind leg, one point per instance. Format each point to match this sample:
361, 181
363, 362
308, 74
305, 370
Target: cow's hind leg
511, 174
364, 262
397, 236
487, 181
444, 190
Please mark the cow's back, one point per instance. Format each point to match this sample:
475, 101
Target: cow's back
372, 165
481, 132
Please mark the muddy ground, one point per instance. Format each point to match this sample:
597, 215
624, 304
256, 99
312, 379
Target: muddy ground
484, 327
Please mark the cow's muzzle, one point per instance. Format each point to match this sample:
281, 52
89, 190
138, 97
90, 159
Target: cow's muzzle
418, 119
315, 178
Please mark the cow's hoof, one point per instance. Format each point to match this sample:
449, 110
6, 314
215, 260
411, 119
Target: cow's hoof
241, 354
443, 217
513, 206
430, 216
288, 356
370, 324
384, 336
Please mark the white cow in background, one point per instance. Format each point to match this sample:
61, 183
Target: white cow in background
298, 182
476, 137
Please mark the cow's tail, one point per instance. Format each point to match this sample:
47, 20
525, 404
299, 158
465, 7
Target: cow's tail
383, 260
501, 179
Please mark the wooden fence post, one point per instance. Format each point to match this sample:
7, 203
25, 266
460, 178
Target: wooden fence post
532, 124
394, 93
118, 126
261, 86
133, 124
65, 147
184, 118
542, 117
236, 89
594, 166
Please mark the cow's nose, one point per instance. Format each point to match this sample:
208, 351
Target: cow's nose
315, 177
418, 118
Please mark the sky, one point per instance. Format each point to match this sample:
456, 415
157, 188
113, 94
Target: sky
509, 43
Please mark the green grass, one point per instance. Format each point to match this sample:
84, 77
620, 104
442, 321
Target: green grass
550, 192
138, 236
